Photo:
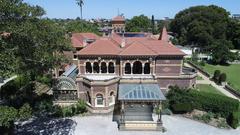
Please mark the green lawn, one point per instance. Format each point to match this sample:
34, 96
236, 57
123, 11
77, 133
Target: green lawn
199, 78
208, 88
232, 71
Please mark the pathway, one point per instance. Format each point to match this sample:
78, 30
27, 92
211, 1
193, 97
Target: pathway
207, 80
7, 80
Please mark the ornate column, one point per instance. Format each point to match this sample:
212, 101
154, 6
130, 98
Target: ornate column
143, 64
92, 67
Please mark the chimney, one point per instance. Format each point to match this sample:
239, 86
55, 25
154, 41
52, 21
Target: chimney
123, 41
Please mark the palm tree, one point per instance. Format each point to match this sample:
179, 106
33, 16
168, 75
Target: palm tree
80, 4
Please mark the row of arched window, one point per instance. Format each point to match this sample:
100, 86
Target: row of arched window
102, 67
137, 68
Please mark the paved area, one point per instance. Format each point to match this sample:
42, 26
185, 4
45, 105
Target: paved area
207, 80
175, 125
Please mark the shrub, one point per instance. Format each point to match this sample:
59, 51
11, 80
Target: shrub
202, 63
181, 108
81, 107
222, 78
67, 111
234, 119
216, 75
25, 112
7, 116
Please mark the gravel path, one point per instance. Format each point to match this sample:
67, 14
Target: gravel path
175, 125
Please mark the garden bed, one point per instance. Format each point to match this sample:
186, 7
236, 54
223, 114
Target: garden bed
208, 118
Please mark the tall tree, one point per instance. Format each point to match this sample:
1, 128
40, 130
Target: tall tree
153, 24
34, 44
138, 24
200, 25
80, 3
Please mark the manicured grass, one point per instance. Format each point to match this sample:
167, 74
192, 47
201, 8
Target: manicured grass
208, 88
232, 71
199, 78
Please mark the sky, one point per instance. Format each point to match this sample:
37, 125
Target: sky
109, 8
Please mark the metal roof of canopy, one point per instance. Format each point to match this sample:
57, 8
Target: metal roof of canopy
71, 72
136, 92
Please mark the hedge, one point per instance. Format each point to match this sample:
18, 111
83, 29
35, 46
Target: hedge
214, 103
181, 108
234, 119
204, 101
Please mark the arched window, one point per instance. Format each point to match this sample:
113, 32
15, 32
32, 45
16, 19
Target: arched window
95, 67
103, 67
137, 67
88, 67
111, 98
99, 100
111, 68
128, 69
147, 68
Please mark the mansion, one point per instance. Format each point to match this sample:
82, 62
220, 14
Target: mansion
122, 71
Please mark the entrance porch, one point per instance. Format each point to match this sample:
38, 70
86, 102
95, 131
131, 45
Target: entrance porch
138, 102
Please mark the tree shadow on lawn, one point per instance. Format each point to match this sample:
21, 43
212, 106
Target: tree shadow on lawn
46, 126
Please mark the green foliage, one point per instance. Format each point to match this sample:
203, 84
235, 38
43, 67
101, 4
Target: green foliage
233, 33
181, 108
25, 112
138, 24
45, 79
81, 106
234, 119
221, 53
216, 75
34, 45
200, 25
68, 111
222, 78
204, 101
8, 116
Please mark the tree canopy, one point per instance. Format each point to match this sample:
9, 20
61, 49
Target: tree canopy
34, 45
139, 24
200, 25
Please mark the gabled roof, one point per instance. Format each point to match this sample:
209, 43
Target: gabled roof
163, 47
137, 49
118, 18
101, 46
77, 39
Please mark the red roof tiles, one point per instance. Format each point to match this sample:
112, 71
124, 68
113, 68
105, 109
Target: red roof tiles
134, 46
101, 47
118, 18
77, 39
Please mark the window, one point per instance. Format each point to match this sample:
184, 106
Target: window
147, 68
103, 67
74, 56
88, 67
128, 69
111, 98
111, 68
99, 100
137, 67
95, 67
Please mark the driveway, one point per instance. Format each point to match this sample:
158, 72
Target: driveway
175, 125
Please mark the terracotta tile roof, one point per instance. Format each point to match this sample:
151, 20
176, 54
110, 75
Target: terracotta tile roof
164, 35
137, 49
102, 46
119, 18
77, 39
134, 46
163, 47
